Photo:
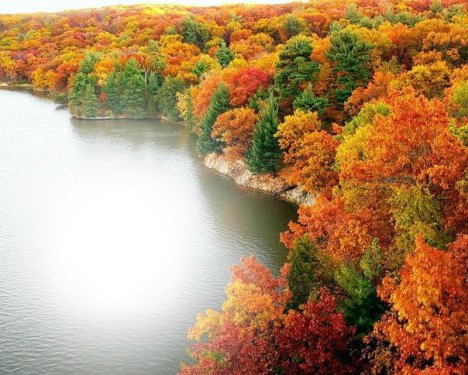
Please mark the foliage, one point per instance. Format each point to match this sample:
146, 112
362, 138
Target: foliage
219, 104
295, 67
363, 104
167, 97
428, 318
350, 56
235, 128
265, 152
255, 334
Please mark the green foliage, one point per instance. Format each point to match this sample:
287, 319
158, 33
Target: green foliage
219, 104
187, 114
84, 78
167, 97
371, 262
201, 66
351, 58
307, 101
417, 212
295, 67
460, 99
460, 132
361, 307
293, 26
366, 116
157, 61
113, 92
195, 33
155, 81
133, 90
265, 153
224, 55
90, 102
87, 64
310, 270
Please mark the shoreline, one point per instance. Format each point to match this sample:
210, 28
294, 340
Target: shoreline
236, 170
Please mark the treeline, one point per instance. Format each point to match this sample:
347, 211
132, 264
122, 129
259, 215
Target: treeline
362, 103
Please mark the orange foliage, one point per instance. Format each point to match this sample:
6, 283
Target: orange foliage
235, 128
426, 326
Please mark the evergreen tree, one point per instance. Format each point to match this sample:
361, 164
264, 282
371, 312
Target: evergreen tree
351, 58
195, 33
133, 89
152, 90
77, 91
90, 102
295, 67
307, 101
113, 91
265, 153
310, 270
167, 97
88, 62
292, 26
83, 78
362, 307
219, 104
224, 55
156, 59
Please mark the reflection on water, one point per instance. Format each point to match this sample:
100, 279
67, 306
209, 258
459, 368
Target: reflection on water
113, 236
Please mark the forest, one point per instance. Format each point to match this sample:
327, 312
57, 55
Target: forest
361, 103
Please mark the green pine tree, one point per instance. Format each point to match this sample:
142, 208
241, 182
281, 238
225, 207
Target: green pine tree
90, 102
307, 101
351, 58
224, 55
310, 270
155, 81
265, 153
219, 104
133, 89
167, 97
113, 90
295, 67
195, 33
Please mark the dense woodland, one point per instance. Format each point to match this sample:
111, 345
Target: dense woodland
362, 103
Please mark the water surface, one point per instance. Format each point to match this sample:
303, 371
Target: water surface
113, 236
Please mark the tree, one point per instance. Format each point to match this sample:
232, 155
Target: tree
235, 129
265, 153
245, 83
426, 326
90, 102
167, 97
254, 334
307, 101
194, 32
224, 55
309, 270
113, 91
350, 56
361, 306
295, 68
219, 104
133, 90
155, 81
310, 150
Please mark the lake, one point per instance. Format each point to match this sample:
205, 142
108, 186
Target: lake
113, 236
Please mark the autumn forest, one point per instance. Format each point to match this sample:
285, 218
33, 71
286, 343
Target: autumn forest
363, 104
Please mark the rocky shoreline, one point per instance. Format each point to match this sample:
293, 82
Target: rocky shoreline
277, 186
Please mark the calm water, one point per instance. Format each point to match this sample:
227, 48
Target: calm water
113, 236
